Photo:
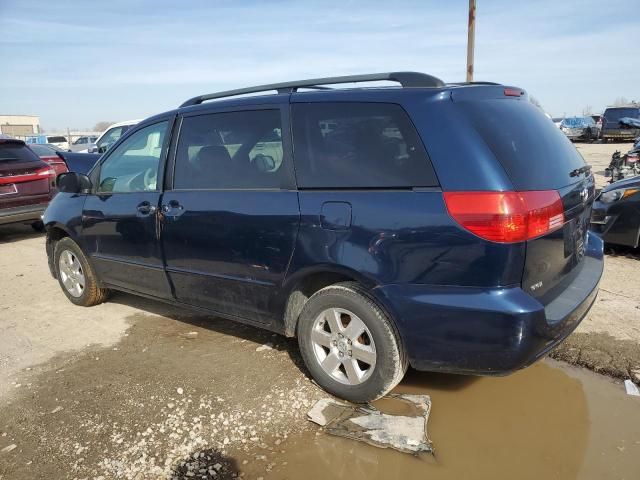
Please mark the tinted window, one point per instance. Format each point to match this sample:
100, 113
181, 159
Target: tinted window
56, 139
16, 151
43, 150
356, 145
614, 114
231, 150
133, 165
533, 151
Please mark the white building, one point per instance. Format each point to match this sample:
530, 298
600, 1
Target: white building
19, 125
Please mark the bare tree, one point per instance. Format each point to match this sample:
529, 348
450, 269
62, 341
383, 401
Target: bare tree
620, 102
102, 126
587, 110
536, 102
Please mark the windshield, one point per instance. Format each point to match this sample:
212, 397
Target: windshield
578, 122
574, 122
614, 114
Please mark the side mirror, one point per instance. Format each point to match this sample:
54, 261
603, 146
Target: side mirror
103, 148
72, 182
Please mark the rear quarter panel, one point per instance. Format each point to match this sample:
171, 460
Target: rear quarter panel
401, 237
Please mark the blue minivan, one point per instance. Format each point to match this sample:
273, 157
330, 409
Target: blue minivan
442, 226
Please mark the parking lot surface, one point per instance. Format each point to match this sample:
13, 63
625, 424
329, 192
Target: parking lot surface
138, 389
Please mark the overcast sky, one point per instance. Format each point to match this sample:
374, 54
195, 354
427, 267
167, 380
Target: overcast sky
75, 63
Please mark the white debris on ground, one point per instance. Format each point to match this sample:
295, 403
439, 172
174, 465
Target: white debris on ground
192, 436
265, 347
631, 388
8, 448
367, 424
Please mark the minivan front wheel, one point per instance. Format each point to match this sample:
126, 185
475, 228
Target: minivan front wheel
349, 344
75, 275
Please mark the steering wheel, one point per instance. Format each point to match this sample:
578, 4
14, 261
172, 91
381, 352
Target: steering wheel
150, 178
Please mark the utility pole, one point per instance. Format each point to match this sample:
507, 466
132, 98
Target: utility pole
471, 39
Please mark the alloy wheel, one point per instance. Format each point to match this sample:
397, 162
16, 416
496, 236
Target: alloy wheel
343, 346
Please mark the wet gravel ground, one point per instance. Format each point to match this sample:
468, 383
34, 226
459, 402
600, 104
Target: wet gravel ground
176, 398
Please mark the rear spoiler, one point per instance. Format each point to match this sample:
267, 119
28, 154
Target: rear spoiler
79, 162
11, 140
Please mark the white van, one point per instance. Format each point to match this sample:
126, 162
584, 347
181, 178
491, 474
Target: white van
110, 136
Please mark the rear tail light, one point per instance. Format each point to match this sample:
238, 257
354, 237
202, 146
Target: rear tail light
513, 92
44, 172
507, 217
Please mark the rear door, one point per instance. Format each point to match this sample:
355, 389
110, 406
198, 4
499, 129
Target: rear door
538, 157
231, 219
120, 218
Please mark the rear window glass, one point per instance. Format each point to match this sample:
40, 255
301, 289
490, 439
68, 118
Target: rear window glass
56, 139
535, 154
358, 145
14, 151
43, 150
612, 114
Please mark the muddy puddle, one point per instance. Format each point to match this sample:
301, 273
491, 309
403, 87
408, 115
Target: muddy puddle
548, 421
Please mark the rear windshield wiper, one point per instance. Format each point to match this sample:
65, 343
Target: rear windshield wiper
579, 171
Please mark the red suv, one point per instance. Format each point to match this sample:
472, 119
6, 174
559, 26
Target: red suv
26, 184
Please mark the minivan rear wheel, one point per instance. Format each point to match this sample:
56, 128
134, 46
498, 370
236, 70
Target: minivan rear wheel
76, 276
349, 344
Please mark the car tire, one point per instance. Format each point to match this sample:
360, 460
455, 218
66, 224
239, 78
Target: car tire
359, 362
76, 275
38, 226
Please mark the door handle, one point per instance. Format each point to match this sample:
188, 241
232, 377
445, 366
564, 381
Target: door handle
145, 208
173, 208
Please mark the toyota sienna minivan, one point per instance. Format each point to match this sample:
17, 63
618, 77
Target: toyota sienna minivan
442, 226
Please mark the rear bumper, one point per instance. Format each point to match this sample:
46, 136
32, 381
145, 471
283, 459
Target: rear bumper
622, 134
489, 331
25, 213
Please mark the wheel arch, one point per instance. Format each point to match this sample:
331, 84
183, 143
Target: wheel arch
303, 284
55, 232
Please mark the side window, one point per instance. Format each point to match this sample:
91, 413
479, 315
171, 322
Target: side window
230, 150
358, 145
133, 165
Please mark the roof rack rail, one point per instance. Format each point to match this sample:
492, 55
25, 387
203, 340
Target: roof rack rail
406, 79
473, 83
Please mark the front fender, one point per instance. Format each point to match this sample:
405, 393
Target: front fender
63, 218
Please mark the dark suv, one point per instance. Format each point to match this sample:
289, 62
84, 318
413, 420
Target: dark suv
442, 226
611, 128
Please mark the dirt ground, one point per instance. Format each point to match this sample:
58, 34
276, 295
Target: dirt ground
138, 389
608, 340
